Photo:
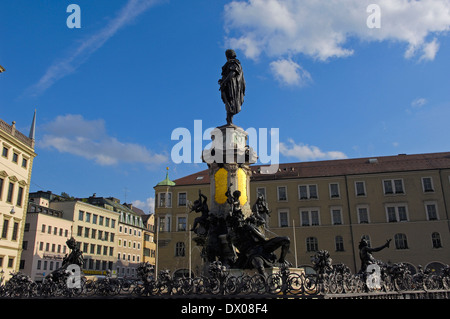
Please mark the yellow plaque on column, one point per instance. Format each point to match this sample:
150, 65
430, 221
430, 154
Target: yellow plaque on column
242, 185
221, 182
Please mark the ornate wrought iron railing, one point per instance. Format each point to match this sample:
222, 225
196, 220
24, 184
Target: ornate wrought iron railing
334, 282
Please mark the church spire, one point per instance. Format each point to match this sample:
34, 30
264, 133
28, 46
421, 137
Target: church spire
33, 127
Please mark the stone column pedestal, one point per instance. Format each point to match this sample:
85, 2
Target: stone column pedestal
229, 160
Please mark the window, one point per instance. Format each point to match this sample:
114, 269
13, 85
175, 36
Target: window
1, 188
282, 193
334, 190
283, 218
311, 244
15, 230
360, 188
94, 219
181, 199
165, 200
86, 232
5, 228
336, 216
307, 192
427, 184
393, 186
309, 217
436, 240
11, 262
396, 213
180, 250
15, 157
80, 215
19, 197
88, 217
431, 211
363, 214
79, 231
339, 243
24, 162
100, 220
10, 193
400, 241
5, 152
164, 223
181, 224
261, 191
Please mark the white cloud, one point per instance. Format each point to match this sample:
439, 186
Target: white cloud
419, 102
304, 152
148, 206
321, 29
430, 50
290, 73
68, 64
74, 135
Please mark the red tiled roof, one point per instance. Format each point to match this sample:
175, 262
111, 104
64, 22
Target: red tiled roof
398, 163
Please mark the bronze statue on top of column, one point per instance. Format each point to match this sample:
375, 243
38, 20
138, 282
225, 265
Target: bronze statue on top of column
232, 85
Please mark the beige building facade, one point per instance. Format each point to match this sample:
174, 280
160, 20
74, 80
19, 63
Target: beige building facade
16, 162
329, 205
44, 242
96, 231
111, 235
130, 235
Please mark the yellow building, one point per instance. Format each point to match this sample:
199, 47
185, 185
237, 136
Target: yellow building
329, 205
16, 162
149, 253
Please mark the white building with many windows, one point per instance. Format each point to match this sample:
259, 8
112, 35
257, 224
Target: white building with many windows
16, 162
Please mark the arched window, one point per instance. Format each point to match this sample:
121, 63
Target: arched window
400, 241
435, 267
436, 240
311, 244
180, 250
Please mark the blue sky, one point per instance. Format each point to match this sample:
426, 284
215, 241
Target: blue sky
109, 95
